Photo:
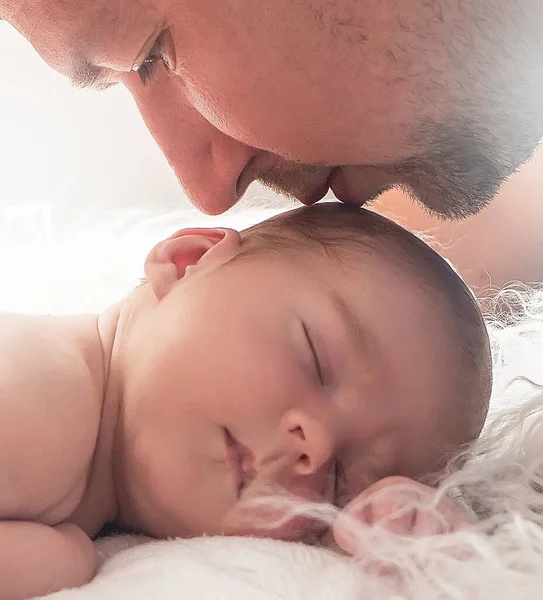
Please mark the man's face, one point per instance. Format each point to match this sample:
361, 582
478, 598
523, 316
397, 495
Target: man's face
355, 96
267, 372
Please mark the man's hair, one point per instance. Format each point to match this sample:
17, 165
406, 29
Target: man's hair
351, 235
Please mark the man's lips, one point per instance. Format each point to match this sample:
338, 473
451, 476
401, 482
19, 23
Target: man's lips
336, 183
241, 461
311, 184
317, 194
308, 184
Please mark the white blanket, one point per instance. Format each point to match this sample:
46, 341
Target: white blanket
213, 568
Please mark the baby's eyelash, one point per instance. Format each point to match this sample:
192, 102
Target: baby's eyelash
314, 354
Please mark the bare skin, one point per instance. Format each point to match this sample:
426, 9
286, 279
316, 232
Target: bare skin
165, 413
57, 429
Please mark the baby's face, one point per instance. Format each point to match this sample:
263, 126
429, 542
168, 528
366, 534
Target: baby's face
295, 373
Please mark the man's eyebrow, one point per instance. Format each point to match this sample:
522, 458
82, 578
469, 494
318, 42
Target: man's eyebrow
88, 75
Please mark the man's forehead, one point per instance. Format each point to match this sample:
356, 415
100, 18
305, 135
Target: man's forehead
101, 29
74, 35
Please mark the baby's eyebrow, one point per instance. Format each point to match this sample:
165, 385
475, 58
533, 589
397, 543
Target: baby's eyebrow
88, 75
363, 340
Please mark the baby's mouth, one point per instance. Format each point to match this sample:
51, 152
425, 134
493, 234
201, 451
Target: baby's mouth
241, 461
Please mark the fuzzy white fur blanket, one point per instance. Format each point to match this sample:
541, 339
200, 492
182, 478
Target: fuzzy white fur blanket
52, 266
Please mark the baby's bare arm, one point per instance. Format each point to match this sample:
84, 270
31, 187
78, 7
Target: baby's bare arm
49, 418
36, 559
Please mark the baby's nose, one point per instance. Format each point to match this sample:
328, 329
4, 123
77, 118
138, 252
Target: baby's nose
310, 441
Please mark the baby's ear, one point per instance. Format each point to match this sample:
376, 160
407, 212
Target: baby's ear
169, 260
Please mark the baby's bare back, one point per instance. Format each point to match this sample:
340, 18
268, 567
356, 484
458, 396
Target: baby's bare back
49, 422
49, 419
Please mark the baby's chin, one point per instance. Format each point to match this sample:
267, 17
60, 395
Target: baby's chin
280, 517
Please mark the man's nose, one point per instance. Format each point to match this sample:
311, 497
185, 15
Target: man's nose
211, 166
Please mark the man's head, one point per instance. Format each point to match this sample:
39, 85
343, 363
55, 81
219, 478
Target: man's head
318, 351
441, 97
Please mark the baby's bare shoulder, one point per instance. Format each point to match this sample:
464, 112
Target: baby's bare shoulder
49, 418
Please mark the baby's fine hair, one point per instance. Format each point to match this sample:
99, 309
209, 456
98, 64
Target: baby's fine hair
352, 235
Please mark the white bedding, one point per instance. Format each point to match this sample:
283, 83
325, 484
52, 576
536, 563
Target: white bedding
55, 267
213, 568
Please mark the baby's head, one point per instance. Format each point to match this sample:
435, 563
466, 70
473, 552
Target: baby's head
318, 351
